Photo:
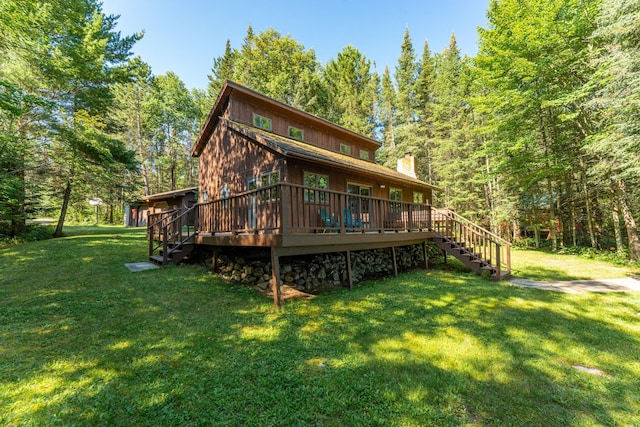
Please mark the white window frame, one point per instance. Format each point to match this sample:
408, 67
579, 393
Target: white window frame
309, 195
345, 149
296, 129
257, 121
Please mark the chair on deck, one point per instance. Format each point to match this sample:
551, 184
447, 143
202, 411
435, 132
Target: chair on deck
349, 221
328, 221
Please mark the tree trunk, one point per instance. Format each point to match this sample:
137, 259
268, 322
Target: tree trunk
63, 212
587, 203
18, 214
552, 217
574, 217
615, 214
629, 221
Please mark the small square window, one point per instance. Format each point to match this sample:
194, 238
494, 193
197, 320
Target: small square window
261, 122
345, 149
364, 154
418, 197
296, 133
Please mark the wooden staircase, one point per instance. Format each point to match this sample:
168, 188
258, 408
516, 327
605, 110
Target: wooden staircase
479, 249
171, 236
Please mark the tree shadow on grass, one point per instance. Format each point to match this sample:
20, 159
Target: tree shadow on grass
178, 348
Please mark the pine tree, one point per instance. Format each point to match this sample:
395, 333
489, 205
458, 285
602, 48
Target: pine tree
424, 91
353, 90
406, 118
223, 69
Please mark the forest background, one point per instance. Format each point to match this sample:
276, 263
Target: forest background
537, 137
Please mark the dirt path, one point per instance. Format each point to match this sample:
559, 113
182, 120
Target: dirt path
627, 284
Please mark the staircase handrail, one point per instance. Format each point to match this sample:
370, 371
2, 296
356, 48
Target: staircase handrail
163, 218
477, 228
486, 235
167, 222
179, 217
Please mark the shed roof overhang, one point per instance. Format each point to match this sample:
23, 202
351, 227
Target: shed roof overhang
169, 194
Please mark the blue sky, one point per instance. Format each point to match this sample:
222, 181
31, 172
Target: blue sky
184, 36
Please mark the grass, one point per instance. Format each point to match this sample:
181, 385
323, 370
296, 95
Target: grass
85, 342
548, 266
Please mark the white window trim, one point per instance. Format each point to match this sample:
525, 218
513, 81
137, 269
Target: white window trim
262, 117
301, 133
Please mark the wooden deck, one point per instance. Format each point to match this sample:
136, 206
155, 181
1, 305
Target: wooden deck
296, 220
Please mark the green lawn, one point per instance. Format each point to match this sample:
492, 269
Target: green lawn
85, 342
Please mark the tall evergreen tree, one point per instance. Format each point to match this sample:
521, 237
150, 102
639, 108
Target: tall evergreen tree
353, 90
425, 97
68, 51
456, 165
223, 68
406, 112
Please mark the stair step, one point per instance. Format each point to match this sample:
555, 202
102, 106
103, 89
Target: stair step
156, 259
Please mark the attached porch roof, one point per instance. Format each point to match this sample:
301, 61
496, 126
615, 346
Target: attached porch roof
169, 194
292, 148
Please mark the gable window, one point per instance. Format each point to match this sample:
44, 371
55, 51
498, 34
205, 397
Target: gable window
345, 149
268, 179
261, 122
296, 133
418, 197
321, 182
364, 154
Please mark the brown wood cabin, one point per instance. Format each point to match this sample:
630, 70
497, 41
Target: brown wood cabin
271, 175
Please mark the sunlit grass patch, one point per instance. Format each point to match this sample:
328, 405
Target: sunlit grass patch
90, 343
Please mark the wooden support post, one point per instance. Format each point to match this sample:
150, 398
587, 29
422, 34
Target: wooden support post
275, 277
395, 263
426, 258
349, 275
444, 253
214, 261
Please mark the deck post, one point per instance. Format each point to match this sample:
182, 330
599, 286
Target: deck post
275, 277
151, 238
349, 275
214, 261
426, 258
395, 263
284, 207
498, 272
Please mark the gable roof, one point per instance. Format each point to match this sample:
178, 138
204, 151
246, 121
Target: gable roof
292, 148
280, 107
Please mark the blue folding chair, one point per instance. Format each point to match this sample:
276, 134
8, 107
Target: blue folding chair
349, 221
328, 221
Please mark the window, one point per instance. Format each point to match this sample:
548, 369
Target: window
316, 181
396, 196
418, 197
268, 179
364, 154
345, 149
261, 122
296, 133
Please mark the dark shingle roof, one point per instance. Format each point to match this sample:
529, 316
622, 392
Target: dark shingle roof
293, 148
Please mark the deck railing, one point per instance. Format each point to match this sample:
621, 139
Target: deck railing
294, 209
170, 228
489, 246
